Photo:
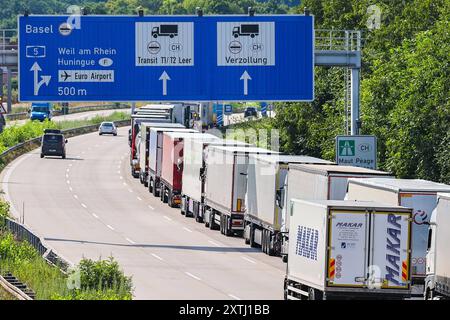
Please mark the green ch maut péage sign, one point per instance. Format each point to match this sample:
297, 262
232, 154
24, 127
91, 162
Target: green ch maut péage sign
357, 151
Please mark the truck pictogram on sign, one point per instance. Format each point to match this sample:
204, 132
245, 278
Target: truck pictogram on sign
165, 30
248, 30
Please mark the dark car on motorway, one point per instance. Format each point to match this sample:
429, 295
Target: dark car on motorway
250, 112
53, 143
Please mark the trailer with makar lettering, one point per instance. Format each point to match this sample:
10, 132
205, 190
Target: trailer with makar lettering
342, 249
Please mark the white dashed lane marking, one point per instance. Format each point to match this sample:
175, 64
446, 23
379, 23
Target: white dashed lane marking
157, 257
192, 276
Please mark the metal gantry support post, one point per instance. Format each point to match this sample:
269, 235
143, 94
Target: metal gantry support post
342, 48
355, 101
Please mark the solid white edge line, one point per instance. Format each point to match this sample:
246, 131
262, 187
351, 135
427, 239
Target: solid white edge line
110, 227
130, 241
187, 229
192, 276
139, 198
166, 217
151, 208
234, 297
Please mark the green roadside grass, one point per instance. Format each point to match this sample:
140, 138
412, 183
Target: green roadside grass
90, 280
4, 295
33, 129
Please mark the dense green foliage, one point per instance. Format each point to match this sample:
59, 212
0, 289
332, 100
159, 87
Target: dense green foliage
32, 129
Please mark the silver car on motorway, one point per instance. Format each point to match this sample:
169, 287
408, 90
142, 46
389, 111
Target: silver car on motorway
107, 128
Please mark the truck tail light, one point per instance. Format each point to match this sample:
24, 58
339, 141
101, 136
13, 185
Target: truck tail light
237, 222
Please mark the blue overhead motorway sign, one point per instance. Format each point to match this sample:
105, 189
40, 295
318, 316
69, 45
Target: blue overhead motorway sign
166, 58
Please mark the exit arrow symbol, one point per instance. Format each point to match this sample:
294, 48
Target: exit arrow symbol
245, 76
37, 84
164, 77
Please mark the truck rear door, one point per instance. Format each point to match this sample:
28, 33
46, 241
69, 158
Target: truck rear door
423, 205
389, 246
347, 262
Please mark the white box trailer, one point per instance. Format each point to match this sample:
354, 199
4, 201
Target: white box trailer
348, 250
320, 182
155, 157
193, 177
226, 186
437, 282
266, 179
134, 137
420, 195
144, 145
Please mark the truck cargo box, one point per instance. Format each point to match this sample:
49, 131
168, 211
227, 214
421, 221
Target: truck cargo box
193, 180
226, 184
134, 137
155, 156
420, 195
144, 145
266, 179
172, 164
437, 282
348, 249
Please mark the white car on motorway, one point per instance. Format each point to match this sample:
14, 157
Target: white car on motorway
107, 128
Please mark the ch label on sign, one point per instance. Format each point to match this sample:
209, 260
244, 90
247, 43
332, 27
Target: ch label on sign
164, 44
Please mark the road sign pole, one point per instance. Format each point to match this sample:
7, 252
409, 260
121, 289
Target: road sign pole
9, 91
355, 101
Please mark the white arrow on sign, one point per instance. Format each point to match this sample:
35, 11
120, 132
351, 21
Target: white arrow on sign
245, 76
37, 84
164, 77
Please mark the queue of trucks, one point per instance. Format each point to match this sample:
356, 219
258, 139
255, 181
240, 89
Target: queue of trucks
344, 232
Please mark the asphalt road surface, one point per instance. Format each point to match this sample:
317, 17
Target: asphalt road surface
88, 205
75, 116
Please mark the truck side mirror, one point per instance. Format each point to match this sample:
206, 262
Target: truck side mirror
66, 141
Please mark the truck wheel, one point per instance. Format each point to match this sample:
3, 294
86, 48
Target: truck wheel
228, 231
263, 241
284, 258
246, 240
42, 155
170, 199
270, 250
155, 190
150, 188
161, 193
63, 156
252, 237
206, 221
146, 183
314, 294
182, 211
212, 221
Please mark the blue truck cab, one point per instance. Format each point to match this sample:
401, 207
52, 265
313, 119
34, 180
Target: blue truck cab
41, 111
